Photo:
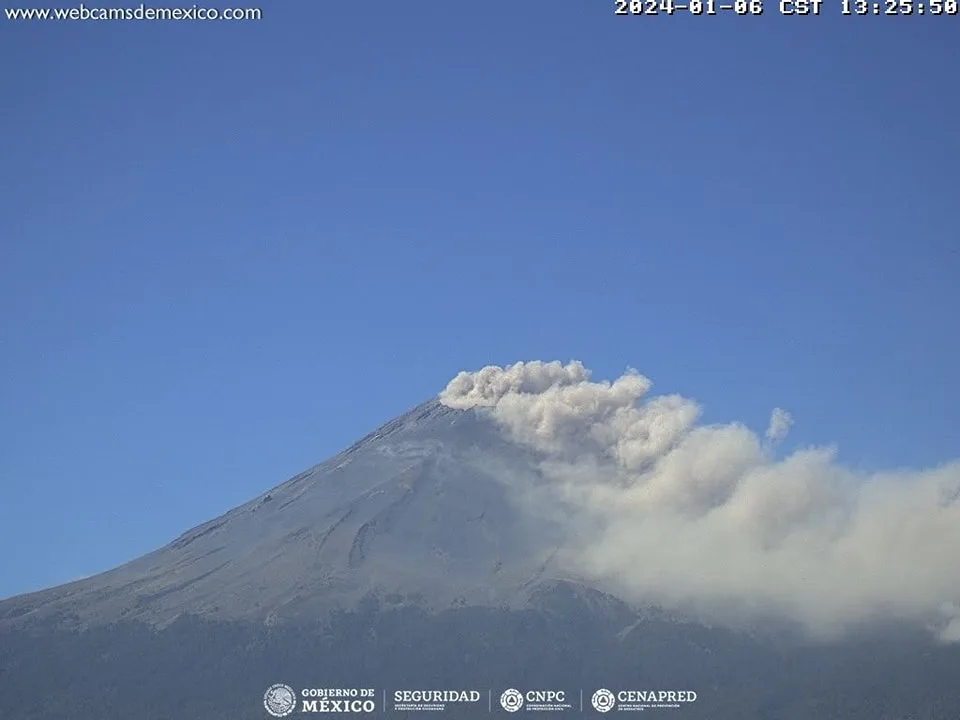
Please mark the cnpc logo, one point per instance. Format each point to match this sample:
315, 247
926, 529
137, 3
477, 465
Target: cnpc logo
513, 700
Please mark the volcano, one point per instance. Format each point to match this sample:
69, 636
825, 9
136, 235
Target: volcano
430, 554
421, 510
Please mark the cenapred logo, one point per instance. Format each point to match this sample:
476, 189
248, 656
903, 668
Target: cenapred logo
511, 700
603, 700
280, 700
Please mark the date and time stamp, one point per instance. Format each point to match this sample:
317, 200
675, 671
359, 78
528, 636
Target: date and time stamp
786, 7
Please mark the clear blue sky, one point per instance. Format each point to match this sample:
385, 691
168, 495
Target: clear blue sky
229, 250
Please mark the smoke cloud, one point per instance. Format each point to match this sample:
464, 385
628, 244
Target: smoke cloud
704, 518
780, 423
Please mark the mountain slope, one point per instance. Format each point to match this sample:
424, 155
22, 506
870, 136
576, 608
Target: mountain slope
417, 558
422, 508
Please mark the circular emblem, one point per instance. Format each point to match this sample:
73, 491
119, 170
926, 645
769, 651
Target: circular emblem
280, 700
511, 700
603, 700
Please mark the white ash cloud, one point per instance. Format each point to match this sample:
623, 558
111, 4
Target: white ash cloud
780, 423
703, 517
